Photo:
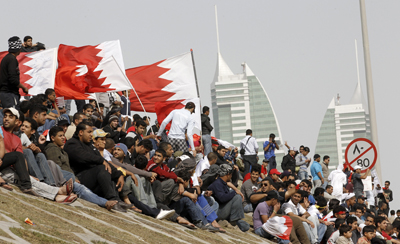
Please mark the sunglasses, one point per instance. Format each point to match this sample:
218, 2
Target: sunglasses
263, 184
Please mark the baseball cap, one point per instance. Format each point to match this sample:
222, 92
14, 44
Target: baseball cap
285, 173
100, 133
274, 171
13, 111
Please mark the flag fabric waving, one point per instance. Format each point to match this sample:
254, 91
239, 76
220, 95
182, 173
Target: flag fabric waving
37, 70
83, 71
170, 81
279, 227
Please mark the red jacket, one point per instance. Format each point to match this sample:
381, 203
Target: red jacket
162, 171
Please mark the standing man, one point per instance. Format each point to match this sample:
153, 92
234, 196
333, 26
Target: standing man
182, 120
206, 129
289, 161
250, 147
269, 151
357, 180
325, 170
316, 171
9, 75
387, 191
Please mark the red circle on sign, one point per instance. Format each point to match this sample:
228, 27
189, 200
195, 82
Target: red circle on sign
373, 147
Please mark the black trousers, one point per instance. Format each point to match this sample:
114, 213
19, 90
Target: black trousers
18, 161
79, 105
249, 160
100, 182
146, 210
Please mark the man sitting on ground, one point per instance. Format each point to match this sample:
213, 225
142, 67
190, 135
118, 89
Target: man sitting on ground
78, 118
249, 187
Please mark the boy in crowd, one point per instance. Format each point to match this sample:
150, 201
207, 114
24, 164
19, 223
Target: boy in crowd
345, 235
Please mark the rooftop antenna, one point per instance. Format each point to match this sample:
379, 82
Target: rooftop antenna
216, 24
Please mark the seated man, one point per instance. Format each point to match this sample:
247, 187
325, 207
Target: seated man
230, 203
116, 133
294, 209
164, 188
203, 166
78, 118
221, 151
11, 153
136, 148
249, 187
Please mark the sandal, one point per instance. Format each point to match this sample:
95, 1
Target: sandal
69, 199
192, 227
6, 186
135, 209
69, 185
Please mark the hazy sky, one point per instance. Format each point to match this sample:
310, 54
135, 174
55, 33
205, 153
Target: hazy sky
302, 51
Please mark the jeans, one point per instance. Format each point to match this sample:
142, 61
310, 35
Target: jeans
325, 184
207, 144
248, 208
214, 204
67, 175
39, 167
185, 207
9, 100
303, 175
232, 210
271, 163
86, 194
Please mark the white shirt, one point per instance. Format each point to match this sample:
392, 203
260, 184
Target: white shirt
337, 179
107, 155
250, 147
201, 166
182, 120
314, 211
25, 140
289, 207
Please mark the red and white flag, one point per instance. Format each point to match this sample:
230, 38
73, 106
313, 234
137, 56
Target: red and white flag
83, 71
279, 227
167, 81
37, 70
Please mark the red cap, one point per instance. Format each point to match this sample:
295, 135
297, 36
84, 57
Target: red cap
274, 171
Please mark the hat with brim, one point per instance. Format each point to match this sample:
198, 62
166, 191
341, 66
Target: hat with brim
13, 111
100, 133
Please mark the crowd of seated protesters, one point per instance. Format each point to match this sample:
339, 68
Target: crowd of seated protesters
112, 160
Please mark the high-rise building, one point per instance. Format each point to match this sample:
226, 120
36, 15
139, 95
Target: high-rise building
239, 102
341, 125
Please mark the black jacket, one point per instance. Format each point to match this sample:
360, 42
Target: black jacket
206, 127
288, 162
85, 156
117, 136
9, 74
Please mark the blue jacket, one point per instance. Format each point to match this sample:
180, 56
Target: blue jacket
221, 191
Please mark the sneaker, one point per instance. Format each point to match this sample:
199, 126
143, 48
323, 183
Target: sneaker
30, 192
165, 214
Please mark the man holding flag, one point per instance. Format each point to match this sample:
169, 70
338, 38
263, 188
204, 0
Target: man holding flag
182, 120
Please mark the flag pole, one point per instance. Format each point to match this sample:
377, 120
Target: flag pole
141, 104
198, 92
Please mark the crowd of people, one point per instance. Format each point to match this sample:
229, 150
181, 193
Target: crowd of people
104, 155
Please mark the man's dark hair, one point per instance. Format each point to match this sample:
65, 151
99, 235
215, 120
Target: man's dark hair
190, 105
110, 143
81, 126
328, 186
379, 220
321, 201
392, 212
54, 130
220, 147
38, 108
338, 209
88, 105
351, 219
101, 105
307, 149
49, 91
145, 117
271, 135
333, 203
256, 168
130, 142
369, 228
39, 99
141, 123
387, 182
77, 116
286, 184
212, 156
162, 151
319, 191
164, 145
33, 123
205, 109
21, 116
303, 195
26, 38
368, 215
343, 229
379, 212
25, 106
141, 162
146, 144
249, 132
307, 182
358, 206
325, 157
136, 117
339, 222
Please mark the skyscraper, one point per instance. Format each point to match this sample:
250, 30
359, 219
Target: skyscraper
341, 125
239, 102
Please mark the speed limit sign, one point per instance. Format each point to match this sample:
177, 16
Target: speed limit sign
361, 152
